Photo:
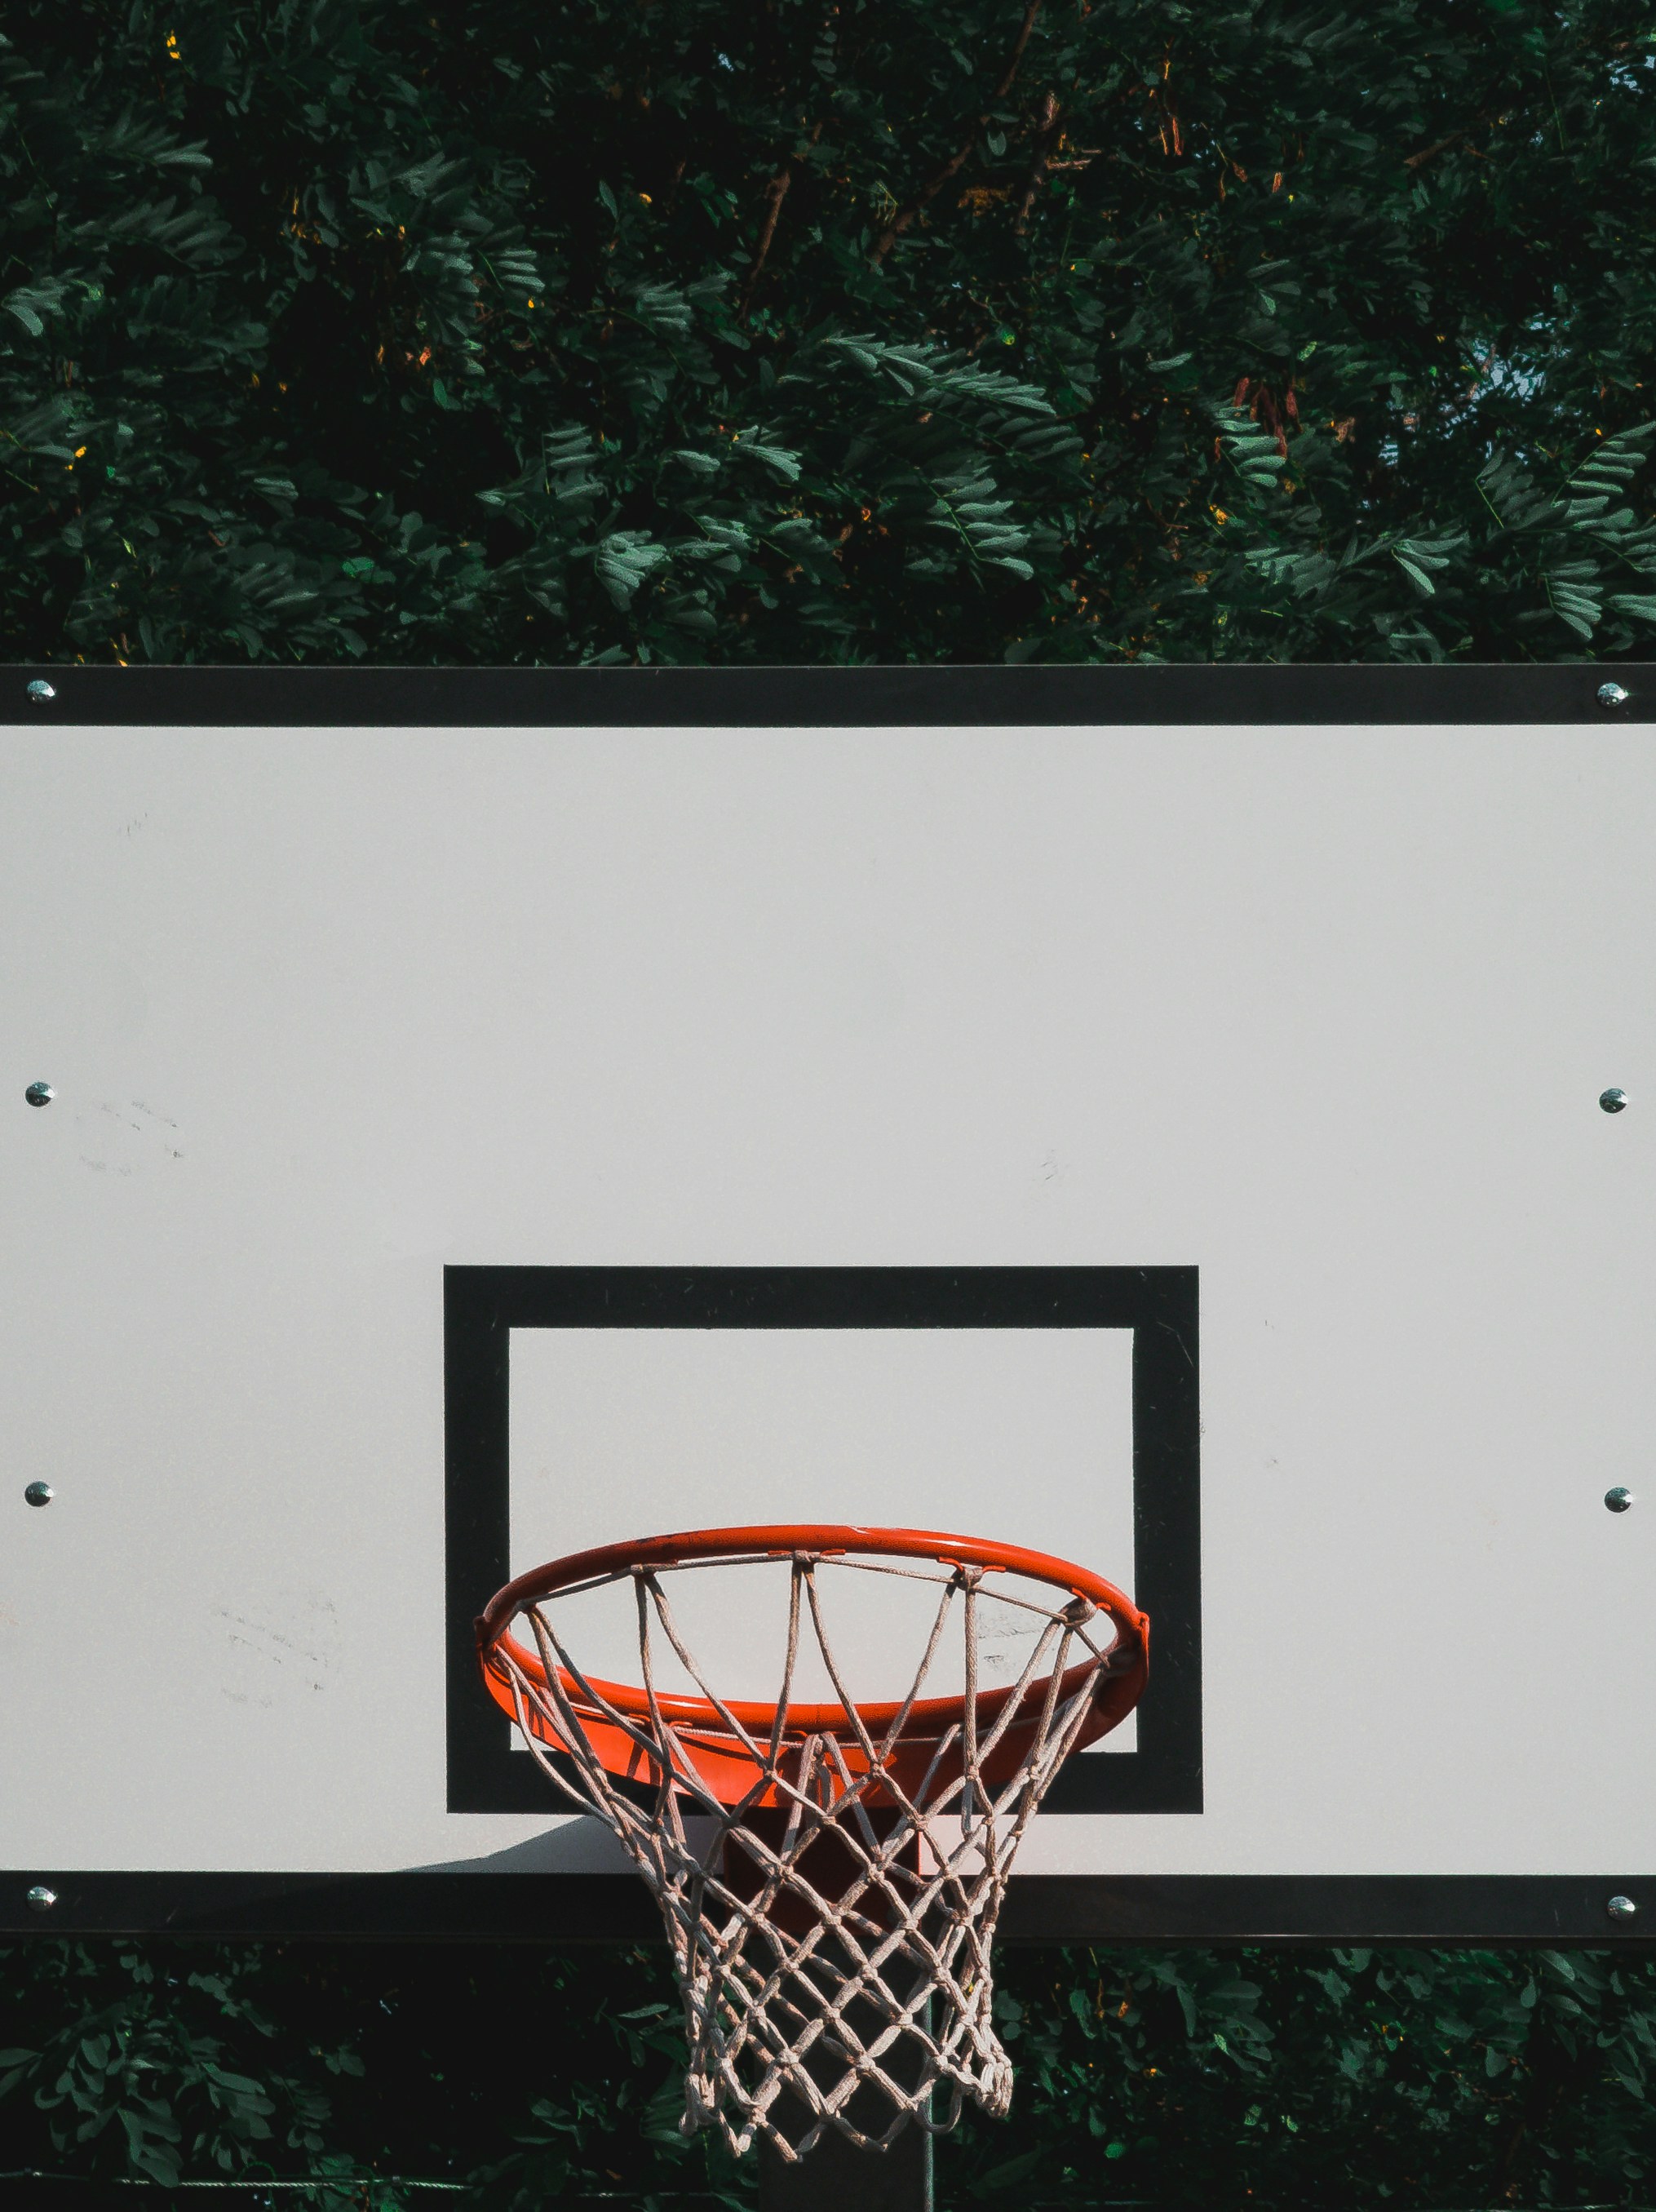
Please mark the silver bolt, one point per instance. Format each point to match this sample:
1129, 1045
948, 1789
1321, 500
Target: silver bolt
1612, 695
1618, 1499
41, 1898
39, 1493
1612, 1101
39, 691
1620, 1908
40, 1094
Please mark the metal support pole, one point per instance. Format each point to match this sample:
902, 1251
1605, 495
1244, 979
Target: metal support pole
837, 2177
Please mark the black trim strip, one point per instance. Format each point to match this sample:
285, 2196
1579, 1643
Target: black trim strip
764, 697
483, 1305
1285, 1910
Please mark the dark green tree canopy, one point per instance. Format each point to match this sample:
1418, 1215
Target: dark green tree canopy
826, 330
1343, 2081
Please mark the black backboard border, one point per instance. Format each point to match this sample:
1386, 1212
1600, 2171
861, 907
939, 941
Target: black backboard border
1147, 694
439, 1903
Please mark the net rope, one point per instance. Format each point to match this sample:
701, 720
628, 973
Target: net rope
832, 1949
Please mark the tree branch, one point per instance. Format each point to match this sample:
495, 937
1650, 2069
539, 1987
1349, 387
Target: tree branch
775, 192
1039, 166
905, 216
1426, 152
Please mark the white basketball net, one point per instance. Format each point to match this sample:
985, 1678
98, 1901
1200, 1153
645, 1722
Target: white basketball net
888, 1989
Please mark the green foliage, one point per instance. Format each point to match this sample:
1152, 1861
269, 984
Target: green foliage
144, 2074
817, 331
1341, 2078
516, 2078
512, 2077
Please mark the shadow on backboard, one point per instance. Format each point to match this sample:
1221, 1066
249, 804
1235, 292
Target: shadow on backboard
578, 1845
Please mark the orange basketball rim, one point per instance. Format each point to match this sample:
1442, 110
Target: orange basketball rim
729, 1742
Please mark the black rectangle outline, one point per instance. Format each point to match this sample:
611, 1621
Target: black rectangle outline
1143, 693
483, 1305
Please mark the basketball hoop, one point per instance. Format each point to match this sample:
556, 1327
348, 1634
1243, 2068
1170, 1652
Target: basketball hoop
831, 1915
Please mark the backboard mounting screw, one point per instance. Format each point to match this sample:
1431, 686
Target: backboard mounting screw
1612, 1100
40, 1094
1620, 1908
40, 693
40, 1493
41, 1898
1612, 695
1618, 1499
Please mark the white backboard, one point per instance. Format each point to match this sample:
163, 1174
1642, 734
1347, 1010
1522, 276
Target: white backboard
470, 1145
